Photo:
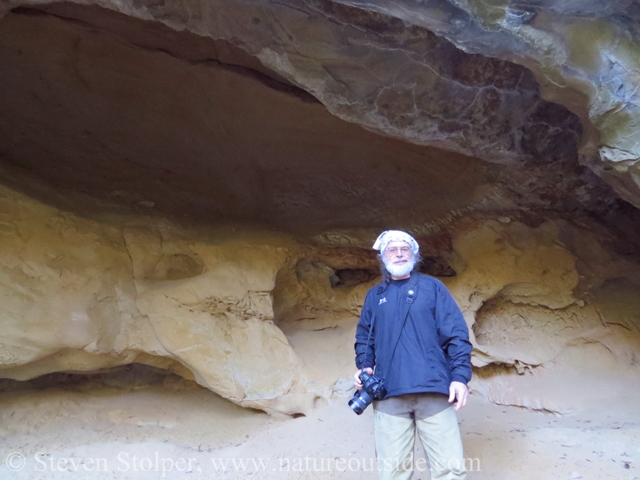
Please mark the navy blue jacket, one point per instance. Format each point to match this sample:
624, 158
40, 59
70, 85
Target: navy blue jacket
419, 341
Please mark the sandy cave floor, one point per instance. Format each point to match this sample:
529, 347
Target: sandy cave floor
173, 428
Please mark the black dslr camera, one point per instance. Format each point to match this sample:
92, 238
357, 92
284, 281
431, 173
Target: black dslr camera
372, 389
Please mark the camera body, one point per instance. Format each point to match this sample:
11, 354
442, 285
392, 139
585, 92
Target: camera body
372, 389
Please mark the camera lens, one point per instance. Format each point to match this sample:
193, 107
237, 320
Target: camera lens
360, 401
357, 406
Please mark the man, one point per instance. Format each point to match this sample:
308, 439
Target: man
413, 333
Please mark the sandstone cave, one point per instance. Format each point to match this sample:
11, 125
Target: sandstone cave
189, 191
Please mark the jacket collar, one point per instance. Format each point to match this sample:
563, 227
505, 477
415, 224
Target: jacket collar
384, 284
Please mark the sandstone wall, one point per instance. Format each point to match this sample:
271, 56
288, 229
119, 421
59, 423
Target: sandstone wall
82, 295
546, 304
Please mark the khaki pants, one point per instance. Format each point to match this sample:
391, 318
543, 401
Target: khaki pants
439, 434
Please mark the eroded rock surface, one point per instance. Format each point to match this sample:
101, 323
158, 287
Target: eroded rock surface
82, 295
399, 68
542, 312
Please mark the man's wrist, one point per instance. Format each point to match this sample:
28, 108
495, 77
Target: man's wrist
459, 379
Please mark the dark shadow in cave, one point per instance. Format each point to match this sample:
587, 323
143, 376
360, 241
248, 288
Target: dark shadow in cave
134, 375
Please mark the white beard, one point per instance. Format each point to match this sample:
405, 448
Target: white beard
400, 270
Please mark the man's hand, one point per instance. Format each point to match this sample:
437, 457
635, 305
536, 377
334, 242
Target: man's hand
459, 392
356, 378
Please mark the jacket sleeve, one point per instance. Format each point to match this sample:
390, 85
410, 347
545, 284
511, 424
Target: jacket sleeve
365, 355
453, 335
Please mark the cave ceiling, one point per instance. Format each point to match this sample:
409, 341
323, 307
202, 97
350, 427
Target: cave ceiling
316, 115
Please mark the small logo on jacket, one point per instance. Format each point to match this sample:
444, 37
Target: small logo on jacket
382, 300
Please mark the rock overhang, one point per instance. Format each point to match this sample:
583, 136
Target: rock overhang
181, 129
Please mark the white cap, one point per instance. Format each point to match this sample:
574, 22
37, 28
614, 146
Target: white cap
389, 236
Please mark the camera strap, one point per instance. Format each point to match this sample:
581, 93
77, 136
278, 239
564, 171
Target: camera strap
373, 321
411, 296
379, 291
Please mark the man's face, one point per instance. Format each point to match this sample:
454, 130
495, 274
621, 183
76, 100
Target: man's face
398, 259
